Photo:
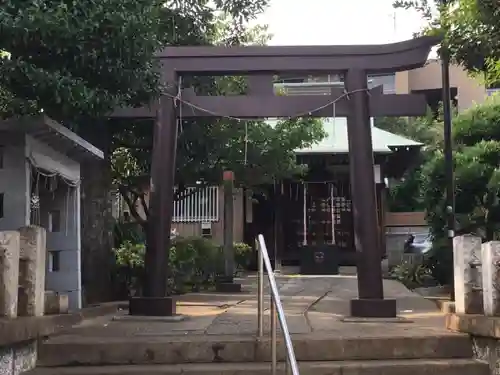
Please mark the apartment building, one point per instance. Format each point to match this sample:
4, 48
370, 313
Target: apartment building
465, 90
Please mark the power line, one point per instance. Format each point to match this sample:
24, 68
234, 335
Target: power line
346, 94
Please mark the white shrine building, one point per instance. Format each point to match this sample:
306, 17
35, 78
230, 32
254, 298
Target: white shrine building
40, 185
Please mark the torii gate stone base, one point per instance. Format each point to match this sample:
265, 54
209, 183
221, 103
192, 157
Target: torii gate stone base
260, 64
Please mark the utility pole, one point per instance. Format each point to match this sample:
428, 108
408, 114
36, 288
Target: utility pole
448, 150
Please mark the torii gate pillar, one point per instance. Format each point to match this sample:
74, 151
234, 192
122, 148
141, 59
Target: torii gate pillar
371, 302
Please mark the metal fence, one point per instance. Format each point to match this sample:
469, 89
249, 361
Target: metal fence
198, 205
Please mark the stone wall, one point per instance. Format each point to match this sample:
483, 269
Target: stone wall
22, 272
485, 335
18, 337
487, 349
477, 276
18, 358
477, 296
22, 287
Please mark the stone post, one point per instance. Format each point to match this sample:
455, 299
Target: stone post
9, 273
466, 251
32, 271
490, 257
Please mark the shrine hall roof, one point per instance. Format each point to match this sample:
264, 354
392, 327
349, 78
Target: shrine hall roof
55, 135
336, 141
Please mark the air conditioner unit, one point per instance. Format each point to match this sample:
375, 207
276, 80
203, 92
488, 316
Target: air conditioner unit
206, 230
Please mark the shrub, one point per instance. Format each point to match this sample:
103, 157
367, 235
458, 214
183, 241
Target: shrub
130, 268
440, 261
194, 263
412, 275
476, 158
243, 255
128, 231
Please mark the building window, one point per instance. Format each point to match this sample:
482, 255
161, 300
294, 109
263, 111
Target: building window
387, 81
198, 205
54, 221
54, 261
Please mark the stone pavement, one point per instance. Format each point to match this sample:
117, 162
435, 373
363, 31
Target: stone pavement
314, 306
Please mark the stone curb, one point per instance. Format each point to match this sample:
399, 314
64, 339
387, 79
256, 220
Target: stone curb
98, 351
447, 307
23, 329
375, 367
476, 325
443, 304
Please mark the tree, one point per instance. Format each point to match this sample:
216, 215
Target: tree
477, 182
86, 59
257, 152
405, 195
471, 29
79, 60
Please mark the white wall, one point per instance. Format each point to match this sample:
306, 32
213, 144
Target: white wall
63, 242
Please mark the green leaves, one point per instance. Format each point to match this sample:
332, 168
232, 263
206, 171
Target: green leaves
256, 151
406, 195
83, 59
471, 33
477, 175
471, 30
422, 6
482, 122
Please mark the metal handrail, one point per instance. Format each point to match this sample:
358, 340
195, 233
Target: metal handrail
275, 310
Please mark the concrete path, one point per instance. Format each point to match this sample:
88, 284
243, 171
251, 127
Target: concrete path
313, 306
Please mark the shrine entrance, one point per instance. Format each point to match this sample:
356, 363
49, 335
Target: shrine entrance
318, 213
260, 64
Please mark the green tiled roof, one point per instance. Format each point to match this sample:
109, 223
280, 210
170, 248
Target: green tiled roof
336, 140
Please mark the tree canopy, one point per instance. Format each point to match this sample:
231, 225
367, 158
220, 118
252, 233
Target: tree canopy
471, 30
476, 156
257, 152
79, 61
83, 59
405, 195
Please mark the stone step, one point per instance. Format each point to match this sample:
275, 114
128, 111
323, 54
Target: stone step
392, 367
145, 350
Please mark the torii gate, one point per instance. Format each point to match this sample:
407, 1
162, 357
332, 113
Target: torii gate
260, 64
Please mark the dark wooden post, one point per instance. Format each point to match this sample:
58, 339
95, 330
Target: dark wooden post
278, 225
227, 284
371, 301
228, 225
382, 208
155, 301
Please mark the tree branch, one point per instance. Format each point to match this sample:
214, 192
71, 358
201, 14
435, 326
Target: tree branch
131, 204
144, 205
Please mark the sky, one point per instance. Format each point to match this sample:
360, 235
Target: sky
334, 22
